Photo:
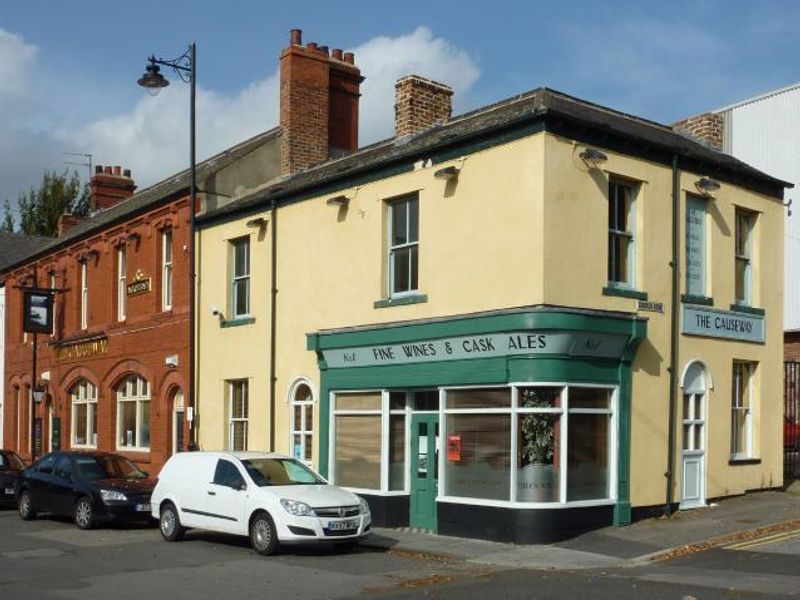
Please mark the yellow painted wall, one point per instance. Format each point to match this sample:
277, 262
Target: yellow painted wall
524, 224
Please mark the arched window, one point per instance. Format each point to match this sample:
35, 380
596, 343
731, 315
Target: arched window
133, 414
84, 415
302, 399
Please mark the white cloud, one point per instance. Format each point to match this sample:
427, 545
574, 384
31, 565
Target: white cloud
17, 60
152, 139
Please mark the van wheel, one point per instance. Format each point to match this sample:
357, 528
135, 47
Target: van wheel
26, 510
170, 523
83, 514
263, 536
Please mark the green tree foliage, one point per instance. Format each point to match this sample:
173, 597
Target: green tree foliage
40, 208
8, 218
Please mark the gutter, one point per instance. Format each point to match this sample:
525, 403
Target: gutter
674, 336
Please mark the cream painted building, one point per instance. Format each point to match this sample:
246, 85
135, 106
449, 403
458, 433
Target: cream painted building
510, 324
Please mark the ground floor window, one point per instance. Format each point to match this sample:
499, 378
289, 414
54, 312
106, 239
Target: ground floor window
133, 414
302, 422
84, 415
543, 444
238, 411
742, 402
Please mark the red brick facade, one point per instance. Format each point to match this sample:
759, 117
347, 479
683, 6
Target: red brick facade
108, 351
708, 127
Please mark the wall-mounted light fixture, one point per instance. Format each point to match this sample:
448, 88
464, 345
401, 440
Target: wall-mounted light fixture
257, 222
788, 206
447, 173
707, 185
593, 157
340, 201
38, 393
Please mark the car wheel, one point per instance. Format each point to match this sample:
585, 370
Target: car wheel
26, 510
263, 536
83, 515
170, 524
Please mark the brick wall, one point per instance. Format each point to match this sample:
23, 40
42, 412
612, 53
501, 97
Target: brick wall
708, 127
791, 346
107, 351
419, 104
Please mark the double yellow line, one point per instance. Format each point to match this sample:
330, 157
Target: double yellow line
763, 541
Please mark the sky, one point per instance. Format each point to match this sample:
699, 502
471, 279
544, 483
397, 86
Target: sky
68, 70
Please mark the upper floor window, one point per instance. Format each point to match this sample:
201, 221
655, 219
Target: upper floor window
742, 409
166, 269
84, 294
745, 222
55, 302
621, 233
84, 415
696, 246
122, 276
403, 245
240, 277
133, 414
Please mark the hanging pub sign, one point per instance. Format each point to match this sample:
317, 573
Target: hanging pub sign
37, 306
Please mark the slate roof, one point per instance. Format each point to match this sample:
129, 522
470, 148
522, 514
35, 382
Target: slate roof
15, 246
146, 199
516, 112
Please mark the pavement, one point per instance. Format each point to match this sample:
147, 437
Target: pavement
734, 521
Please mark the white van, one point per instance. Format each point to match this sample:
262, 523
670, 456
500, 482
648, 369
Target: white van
272, 498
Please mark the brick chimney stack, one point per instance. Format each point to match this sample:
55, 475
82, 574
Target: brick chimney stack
319, 103
420, 103
109, 186
67, 221
708, 127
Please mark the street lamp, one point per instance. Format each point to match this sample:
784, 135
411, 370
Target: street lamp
185, 66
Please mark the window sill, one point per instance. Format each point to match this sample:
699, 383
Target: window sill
701, 300
744, 461
750, 310
401, 301
237, 322
624, 292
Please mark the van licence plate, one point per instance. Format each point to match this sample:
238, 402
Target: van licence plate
10, 490
343, 525
143, 508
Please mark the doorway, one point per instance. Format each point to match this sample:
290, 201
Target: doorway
424, 466
693, 455
177, 422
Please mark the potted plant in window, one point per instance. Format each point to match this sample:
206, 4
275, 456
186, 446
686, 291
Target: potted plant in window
536, 478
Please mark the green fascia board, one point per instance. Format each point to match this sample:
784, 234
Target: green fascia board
533, 318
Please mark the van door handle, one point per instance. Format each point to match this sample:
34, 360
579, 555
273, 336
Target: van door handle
210, 493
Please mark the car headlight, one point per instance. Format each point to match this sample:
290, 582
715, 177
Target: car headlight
364, 506
112, 496
297, 508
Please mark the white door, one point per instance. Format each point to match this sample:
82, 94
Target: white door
693, 493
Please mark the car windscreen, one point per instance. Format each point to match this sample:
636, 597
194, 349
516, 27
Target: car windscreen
103, 467
10, 461
280, 471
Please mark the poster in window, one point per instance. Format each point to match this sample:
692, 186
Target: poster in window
454, 447
38, 311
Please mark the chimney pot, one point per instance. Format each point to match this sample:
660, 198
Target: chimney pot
349, 57
296, 37
337, 53
324, 49
108, 170
127, 173
312, 46
98, 168
117, 170
108, 187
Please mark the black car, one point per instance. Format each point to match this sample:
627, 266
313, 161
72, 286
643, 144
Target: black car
11, 466
91, 487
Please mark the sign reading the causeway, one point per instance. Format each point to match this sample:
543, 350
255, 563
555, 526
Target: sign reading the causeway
723, 324
570, 343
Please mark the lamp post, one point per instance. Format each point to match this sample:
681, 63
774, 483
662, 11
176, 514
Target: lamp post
185, 66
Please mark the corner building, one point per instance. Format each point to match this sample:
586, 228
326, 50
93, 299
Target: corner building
509, 324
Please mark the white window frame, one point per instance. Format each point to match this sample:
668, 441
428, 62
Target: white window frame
84, 294
304, 430
748, 217
83, 393
55, 303
122, 282
133, 388
629, 234
393, 204
166, 269
740, 410
238, 278
239, 419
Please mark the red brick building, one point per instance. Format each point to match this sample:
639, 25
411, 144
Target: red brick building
115, 369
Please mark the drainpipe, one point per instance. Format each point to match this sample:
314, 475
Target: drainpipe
674, 334
273, 325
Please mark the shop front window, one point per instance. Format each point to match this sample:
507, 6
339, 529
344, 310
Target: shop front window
133, 414
484, 465
588, 448
84, 415
539, 445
